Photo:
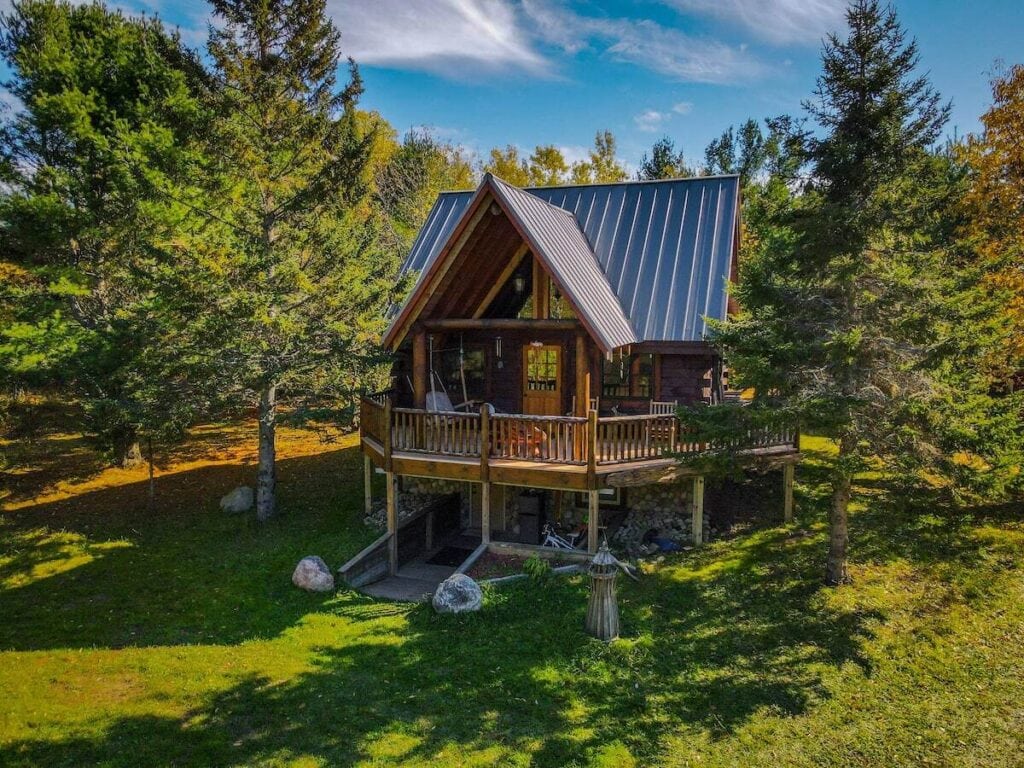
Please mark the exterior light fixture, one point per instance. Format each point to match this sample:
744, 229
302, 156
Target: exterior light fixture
519, 283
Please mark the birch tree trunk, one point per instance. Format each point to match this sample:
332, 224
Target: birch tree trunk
266, 476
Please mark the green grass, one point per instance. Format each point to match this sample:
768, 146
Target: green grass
174, 637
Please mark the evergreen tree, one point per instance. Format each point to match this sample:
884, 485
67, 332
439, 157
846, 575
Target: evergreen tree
108, 110
283, 289
846, 313
746, 154
664, 162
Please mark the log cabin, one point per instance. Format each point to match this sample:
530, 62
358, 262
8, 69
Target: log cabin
549, 338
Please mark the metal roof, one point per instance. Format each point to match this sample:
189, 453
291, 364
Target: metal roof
558, 242
664, 247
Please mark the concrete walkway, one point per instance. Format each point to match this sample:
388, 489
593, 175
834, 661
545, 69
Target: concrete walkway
414, 582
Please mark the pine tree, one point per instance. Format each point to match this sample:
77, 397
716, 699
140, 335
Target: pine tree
840, 329
109, 109
664, 162
282, 291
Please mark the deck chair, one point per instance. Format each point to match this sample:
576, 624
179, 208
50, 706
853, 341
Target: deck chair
664, 407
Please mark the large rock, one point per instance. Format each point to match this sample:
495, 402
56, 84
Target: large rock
457, 594
313, 574
239, 500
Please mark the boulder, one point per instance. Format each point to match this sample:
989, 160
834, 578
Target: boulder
239, 500
313, 574
458, 594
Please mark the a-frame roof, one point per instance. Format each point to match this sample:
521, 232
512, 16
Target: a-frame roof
666, 249
555, 239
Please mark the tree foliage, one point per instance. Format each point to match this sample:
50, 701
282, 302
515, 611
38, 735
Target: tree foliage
994, 210
283, 286
108, 106
852, 319
664, 162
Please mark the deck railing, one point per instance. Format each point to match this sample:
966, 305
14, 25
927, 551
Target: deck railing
570, 440
449, 433
552, 439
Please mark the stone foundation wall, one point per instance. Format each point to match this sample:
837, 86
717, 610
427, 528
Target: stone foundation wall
415, 494
665, 507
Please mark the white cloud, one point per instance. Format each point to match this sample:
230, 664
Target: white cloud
651, 120
458, 38
467, 38
777, 21
645, 43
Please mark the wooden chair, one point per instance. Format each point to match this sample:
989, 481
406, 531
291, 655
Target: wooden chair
664, 407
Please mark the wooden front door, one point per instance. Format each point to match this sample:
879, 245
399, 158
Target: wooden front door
542, 380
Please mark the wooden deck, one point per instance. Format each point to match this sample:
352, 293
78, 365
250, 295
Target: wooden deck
555, 452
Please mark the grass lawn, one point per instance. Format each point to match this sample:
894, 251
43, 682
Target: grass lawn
173, 636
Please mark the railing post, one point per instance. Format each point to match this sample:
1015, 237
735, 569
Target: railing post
485, 443
386, 437
592, 449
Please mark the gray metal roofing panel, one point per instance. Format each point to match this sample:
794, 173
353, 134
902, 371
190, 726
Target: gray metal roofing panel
665, 247
564, 249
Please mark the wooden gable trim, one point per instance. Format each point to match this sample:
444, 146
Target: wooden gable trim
486, 194
403, 323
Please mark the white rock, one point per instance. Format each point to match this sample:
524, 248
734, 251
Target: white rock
457, 594
313, 574
239, 500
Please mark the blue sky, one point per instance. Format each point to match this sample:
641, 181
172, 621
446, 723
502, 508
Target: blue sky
527, 72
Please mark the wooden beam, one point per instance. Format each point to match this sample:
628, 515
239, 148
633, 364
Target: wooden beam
540, 291
504, 277
697, 506
788, 472
367, 485
392, 522
593, 519
419, 369
500, 324
485, 513
582, 376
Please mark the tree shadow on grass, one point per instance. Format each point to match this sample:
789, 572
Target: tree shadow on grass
704, 648
711, 639
101, 569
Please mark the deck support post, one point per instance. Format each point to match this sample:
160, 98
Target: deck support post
485, 513
392, 521
593, 519
697, 507
788, 471
367, 485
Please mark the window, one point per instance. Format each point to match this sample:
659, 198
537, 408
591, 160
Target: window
628, 376
542, 369
558, 306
